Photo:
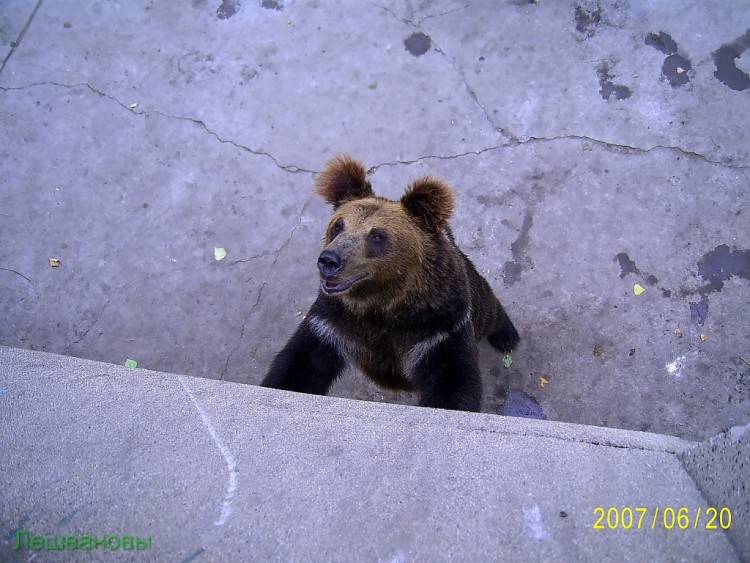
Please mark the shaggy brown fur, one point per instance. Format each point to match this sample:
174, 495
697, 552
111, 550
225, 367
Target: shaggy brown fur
398, 298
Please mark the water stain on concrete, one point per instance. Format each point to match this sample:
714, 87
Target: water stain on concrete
418, 43
725, 59
512, 269
676, 66
67, 518
607, 88
720, 264
699, 311
716, 267
518, 403
663, 42
272, 5
227, 9
587, 20
627, 266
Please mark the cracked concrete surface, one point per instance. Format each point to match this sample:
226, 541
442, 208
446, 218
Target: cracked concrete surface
137, 136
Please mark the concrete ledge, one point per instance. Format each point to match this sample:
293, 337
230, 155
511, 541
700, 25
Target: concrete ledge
720, 467
221, 471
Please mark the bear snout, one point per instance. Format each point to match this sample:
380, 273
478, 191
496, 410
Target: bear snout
330, 263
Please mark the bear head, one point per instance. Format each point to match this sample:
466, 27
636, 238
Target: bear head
377, 250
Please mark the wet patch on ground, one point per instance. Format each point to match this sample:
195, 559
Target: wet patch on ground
418, 43
628, 266
725, 58
607, 88
587, 19
227, 9
518, 403
512, 270
716, 267
676, 66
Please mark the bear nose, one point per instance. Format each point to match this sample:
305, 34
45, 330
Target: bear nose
329, 262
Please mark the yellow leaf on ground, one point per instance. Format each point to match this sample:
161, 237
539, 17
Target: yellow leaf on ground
638, 289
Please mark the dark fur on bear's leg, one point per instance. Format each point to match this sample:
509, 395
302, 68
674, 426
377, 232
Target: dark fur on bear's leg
306, 364
448, 375
504, 335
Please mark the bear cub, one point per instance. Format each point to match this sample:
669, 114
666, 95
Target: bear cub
397, 297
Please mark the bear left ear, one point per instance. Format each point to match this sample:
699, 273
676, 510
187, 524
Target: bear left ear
343, 179
430, 200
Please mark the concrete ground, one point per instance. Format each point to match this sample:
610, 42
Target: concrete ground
593, 145
217, 471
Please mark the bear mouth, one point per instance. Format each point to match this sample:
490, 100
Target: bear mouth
331, 287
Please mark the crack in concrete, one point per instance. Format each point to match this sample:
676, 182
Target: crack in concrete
18, 273
276, 254
96, 320
623, 147
607, 145
24, 29
472, 94
418, 22
198, 122
512, 138
453, 11
373, 169
513, 141
251, 258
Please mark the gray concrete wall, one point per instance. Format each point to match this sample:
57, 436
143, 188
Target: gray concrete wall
721, 468
218, 471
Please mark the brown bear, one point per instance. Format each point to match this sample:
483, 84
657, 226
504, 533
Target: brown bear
397, 297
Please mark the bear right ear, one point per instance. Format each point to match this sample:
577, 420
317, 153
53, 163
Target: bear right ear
343, 179
431, 201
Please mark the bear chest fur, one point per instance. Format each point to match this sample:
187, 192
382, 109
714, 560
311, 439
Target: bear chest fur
385, 349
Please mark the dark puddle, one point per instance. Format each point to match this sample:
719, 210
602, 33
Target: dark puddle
418, 43
716, 267
676, 66
607, 88
725, 59
518, 403
513, 269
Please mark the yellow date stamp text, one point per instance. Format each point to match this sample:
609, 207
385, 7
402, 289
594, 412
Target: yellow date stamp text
668, 518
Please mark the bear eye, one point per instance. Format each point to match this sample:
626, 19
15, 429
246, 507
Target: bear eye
338, 226
377, 241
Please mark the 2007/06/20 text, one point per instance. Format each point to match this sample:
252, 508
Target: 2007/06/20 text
627, 518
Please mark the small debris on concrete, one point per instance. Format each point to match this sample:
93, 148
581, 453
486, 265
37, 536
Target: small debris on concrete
638, 289
220, 253
543, 381
54, 262
507, 360
130, 363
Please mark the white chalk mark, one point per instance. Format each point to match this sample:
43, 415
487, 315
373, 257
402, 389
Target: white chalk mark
228, 457
675, 368
533, 518
398, 557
